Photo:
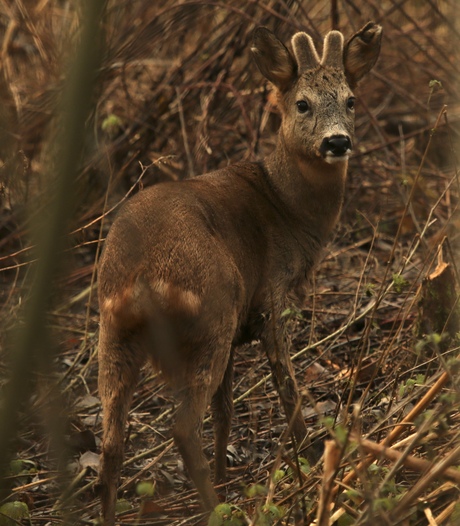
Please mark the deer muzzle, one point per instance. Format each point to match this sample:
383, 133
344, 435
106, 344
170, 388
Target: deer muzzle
335, 148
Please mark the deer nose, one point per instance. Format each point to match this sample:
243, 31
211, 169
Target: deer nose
336, 145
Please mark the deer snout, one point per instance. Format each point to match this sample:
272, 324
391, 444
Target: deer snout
335, 146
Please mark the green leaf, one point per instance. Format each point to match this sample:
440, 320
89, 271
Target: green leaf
390, 488
145, 489
435, 84
226, 515
22, 467
286, 312
111, 125
341, 434
269, 514
328, 422
275, 512
12, 512
385, 504
369, 290
304, 465
223, 509
123, 505
375, 469
16, 466
399, 283
455, 517
215, 520
255, 490
354, 495
345, 520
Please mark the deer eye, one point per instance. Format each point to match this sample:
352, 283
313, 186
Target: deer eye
302, 106
351, 103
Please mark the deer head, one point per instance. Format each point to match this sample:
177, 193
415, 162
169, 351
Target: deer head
315, 94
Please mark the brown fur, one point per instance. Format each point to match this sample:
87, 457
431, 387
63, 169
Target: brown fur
192, 269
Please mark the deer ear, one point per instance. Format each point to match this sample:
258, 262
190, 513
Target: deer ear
273, 59
361, 52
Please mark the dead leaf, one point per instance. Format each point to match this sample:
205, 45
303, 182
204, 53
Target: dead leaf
90, 460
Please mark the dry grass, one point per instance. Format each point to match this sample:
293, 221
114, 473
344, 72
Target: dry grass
177, 94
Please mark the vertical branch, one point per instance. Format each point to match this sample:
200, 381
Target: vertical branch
31, 345
334, 14
191, 170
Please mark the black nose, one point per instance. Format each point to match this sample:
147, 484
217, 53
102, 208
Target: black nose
337, 145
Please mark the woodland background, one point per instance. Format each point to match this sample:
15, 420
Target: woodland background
101, 99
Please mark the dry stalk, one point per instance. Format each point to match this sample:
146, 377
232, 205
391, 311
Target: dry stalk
332, 456
400, 427
417, 464
437, 471
148, 466
191, 169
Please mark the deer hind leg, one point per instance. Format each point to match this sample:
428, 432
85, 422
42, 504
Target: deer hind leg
201, 381
275, 344
187, 436
119, 364
222, 412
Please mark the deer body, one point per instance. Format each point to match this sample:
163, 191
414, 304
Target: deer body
192, 269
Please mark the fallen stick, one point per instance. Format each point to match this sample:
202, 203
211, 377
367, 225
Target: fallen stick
437, 470
332, 456
417, 464
399, 428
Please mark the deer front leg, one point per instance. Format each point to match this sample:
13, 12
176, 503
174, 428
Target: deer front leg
275, 344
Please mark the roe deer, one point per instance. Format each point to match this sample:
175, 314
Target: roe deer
192, 269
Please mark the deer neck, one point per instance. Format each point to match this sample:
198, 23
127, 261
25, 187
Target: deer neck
311, 189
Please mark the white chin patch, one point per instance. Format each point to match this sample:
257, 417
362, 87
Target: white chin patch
332, 159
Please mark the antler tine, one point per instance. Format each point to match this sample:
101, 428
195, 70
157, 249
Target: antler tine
304, 51
333, 50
